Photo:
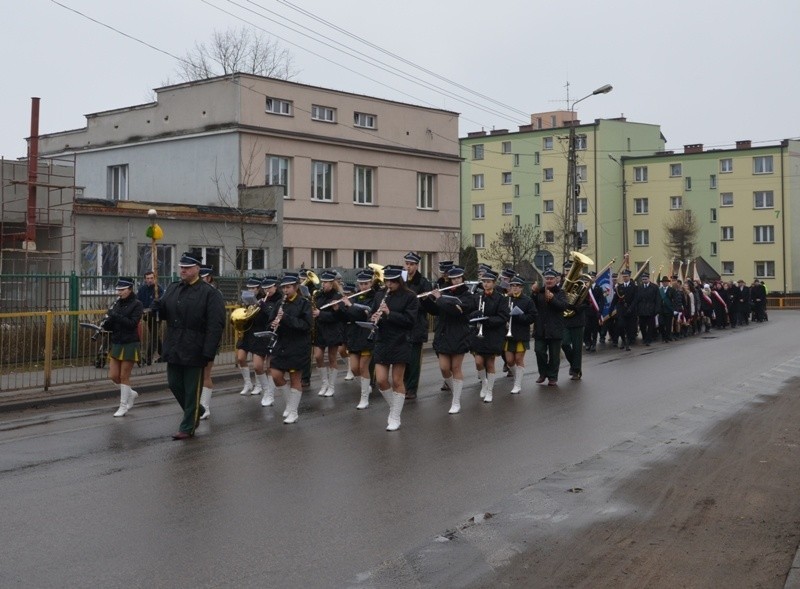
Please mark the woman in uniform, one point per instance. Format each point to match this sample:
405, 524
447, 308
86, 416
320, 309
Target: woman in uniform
486, 342
359, 345
123, 322
522, 314
269, 307
328, 331
250, 344
207, 275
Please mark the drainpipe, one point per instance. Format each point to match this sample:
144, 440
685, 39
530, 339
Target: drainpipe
29, 243
783, 221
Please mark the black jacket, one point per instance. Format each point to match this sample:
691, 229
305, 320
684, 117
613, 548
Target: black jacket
625, 298
451, 333
329, 324
392, 339
195, 318
667, 295
146, 294
357, 336
550, 320
293, 348
418, 285
648, 300
495, 308
123, 320
521, 324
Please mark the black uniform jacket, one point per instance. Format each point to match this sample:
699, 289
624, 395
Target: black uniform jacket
195, 318
451, 334
625, 298
495, 308
667, 295
357, 336
293, 348
392, 341
123, 320
521, 324
648, 300
418, 285
329, 328
266, 311
550, 321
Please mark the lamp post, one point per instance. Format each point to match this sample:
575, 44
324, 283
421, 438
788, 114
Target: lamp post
153, 214
573, 189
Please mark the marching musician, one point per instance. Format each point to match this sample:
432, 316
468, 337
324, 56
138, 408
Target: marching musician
269, 307
417, 284
359, 345
487, 342
394, 316
442, 282
292, 324
207, 276
522, 314
250, 344
551, 302
123, 322
451, 335
328, 333
572, 340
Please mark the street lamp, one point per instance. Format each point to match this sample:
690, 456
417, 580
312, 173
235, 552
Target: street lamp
573, 189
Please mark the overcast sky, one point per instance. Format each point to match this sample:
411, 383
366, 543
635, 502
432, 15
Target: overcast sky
707, 71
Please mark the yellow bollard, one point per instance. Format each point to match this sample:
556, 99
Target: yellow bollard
48, 348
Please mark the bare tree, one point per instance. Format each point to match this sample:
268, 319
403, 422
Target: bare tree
514, 245
680, 232
451, 245
236, 50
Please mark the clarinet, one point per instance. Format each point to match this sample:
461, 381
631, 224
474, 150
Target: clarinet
374, 331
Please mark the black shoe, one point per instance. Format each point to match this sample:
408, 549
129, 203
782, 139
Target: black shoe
627, 348
445, 386
411, 395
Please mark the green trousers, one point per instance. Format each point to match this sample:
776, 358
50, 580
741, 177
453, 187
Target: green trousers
548, 357
411, 376
186, 382
572, 344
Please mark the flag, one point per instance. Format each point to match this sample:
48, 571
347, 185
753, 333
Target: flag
696, 276
604, 281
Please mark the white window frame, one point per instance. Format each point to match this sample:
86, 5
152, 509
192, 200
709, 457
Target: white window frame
548, 206
117, 182
478, 151
365, 120
322, 181
505, 147
479, 240
363, 258
278, 106
728, 268
582, 173
505, 177
675, 203
765, 269
516, 160
712, 181
479, 211
726, 165
322, 258
763, 199
251, 256
516, 190
764, 234
713, 215
426, 191
640, 173
762, 164
675, 170
325, 114
641, 206
279, 173
202, 253
641, 237
98, 274
726, 233
547, 143
548, 174
582, 206
478, 182
363, 185
723, 196
688, 183
507, 208
581, 142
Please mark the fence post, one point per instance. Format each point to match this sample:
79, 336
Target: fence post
73, 320
48, 348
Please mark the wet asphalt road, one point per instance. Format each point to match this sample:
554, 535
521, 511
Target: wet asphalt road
88, 500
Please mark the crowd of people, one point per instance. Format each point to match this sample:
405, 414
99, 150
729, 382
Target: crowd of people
379, 326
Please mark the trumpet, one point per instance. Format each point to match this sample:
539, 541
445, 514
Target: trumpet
510, 316
481, 308
425, 294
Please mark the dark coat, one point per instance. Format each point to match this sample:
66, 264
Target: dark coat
648, 300
123, 320
521, 324
195, 318
742, 299
550, 320
392, 340
495, 308
357, 336
293, 348
266, 311
452, 330
329, 324
578, 319
667, 295
147, 293
418, 285
625, 298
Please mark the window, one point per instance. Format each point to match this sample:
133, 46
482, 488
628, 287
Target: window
117, 182
726, 199
580, 142
505, 147
479, 211
642, 236
713, 216
536, 158
582, 206
713, 248
278, 172
323, 113
764, 234
583, 238
712, 181
507, 208
548, 174
321, 258
362, 119
641, 206
321, 182
688, 183
762, 164
675, 170
547, 143
478, 241
548, 206
363, 185
536, 189
549, 237
640, 174
763, 199
287, 257
727, 233
477, 151
581, 173
675, 203
477, 181
765, 269
251, 259
726, 165
362, 258
426, 184
506, 177
277, 106
537, 219
516, 190
517, 221
516, 160
101, 264
209, 256
727, 267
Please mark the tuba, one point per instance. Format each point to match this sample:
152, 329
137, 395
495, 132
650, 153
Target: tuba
577, 283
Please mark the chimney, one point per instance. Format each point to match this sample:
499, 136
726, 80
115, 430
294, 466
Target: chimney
524, 128
477, 134
743, 144
693, 148
499, 132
